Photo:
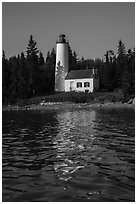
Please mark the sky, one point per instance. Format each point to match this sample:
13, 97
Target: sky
92, 28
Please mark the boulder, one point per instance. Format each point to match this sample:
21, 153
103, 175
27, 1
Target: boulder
131, 101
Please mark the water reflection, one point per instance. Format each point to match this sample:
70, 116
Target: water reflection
75, 136
73, 155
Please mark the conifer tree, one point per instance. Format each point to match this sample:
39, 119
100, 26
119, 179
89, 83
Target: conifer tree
32, 63
121, 64
23, 78
121, 49
5, 79
14, 78
53, 57
106, 56
32, 50
48, 57
131, 69
41, 59
74, 60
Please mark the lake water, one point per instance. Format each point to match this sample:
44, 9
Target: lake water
74, 155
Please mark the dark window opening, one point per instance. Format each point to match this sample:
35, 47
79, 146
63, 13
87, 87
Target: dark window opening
86, 84
79, 84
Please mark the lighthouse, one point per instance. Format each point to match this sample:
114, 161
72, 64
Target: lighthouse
62, 65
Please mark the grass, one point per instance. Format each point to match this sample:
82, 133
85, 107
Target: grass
74, 97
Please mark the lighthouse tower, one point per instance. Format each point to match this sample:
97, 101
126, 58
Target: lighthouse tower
61, 68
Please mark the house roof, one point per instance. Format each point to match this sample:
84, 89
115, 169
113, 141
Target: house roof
80, 74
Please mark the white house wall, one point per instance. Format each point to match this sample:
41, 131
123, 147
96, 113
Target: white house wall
75, 81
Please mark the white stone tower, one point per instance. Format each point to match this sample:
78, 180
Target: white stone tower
62, 64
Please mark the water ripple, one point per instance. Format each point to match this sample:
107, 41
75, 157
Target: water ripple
78, 155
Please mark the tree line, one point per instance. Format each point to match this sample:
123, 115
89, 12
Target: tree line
29, 75
116, 71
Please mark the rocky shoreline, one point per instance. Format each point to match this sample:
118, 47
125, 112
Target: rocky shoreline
64, 105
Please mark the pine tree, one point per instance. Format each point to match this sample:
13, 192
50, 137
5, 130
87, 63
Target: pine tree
121, 49
5, 79
83, 64
74, 60
23, 78
111, 56
41, 59
14, 78
121, 64
53, 57
48, 57
32, 50
32, 63
70, 58
50, 71
73, 64
131, 70
126, 84
106, 56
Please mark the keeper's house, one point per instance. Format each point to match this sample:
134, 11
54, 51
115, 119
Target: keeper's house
82, 81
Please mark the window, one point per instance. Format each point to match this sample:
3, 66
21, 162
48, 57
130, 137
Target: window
86, 84
79, 84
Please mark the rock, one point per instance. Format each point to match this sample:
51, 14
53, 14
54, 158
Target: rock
131, 101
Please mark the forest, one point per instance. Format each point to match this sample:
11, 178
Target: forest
28, 75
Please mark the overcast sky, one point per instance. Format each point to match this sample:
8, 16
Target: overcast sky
91, 28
